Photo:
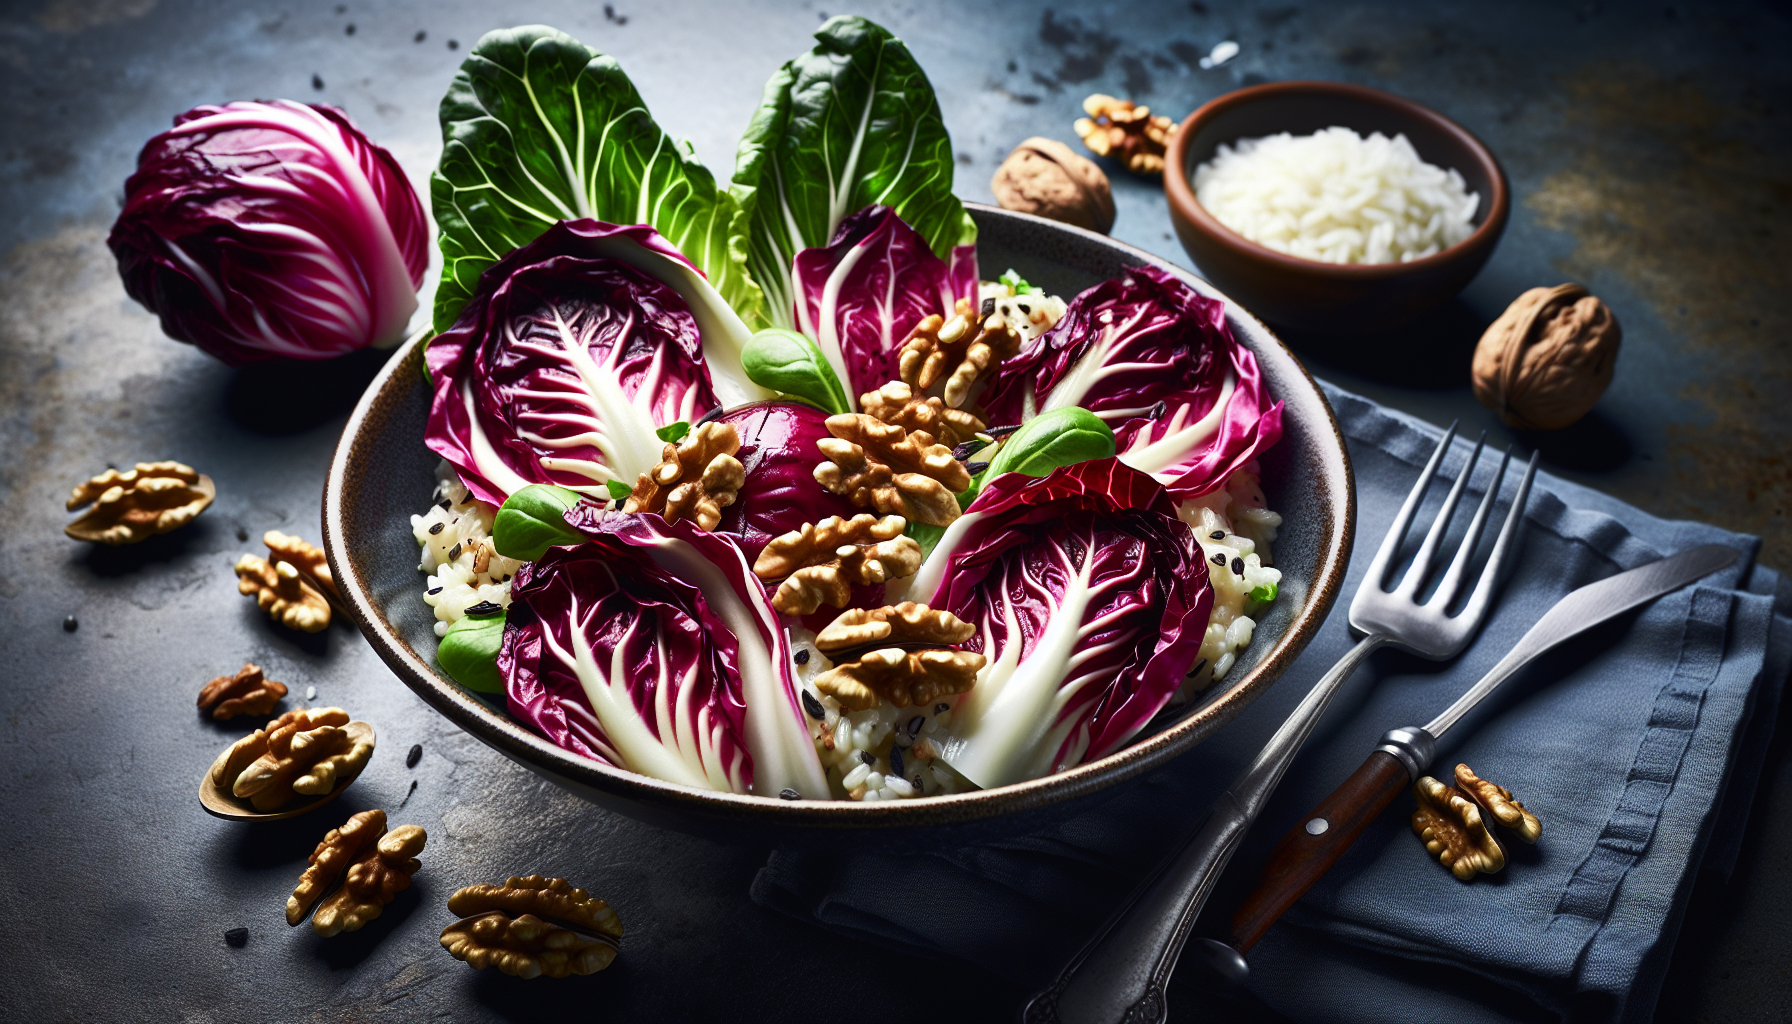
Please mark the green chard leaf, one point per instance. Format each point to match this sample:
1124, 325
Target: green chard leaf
850, 124
469, 652
787, 362
537, 128
533, 520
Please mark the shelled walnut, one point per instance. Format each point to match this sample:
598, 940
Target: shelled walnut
1496, 803
965, 347
1125, 131
246, 693
696, 478
879, 465
819, 563
280, 590
306, 751
897, 403
309, 559
532, 926
910, 660
1544, 363
377, 876
1045, 177
1453, 831
133, 506
329, 863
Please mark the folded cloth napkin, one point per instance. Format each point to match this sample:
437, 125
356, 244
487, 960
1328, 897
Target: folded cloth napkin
1638, 745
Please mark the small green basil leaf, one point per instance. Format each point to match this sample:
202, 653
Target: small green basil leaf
1018, 284
469, 652
532, 521
671, 433
1062, 437
1264, 594
618, 489
790, 363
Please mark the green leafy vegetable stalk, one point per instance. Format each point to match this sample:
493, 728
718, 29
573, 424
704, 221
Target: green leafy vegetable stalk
537, 127
850, 124
787, 362
469, 652
533, 520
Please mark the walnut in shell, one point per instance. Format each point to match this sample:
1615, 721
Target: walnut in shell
1125, 131
819, 563
1047, 178
879, 465
1544, 363
696, 478
1496, 803
1453, 831
246, 693
532, 926
133, 506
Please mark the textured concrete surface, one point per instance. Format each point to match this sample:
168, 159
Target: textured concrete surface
1648, 149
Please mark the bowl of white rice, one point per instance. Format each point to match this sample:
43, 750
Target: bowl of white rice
1330, 207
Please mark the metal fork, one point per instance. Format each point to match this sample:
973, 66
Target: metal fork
1122, 974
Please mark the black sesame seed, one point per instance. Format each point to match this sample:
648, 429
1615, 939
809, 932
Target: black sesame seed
485, 608
940, 709
1217, 535
974, 468
416, 754
317, 83
968, 449
1238, 566
988, 308
1158, 410
506, 578
915, 724
242, 534
434, 592
349, 29
1024, 308
420, 36
454, 552
1002, 431
813, 706
70, 624
1199, 665
446, 504
802, 656
896, 762
868, 757
453, 44
789, 794
436, 529
236, 938
407, 793
917, 781
1219, 559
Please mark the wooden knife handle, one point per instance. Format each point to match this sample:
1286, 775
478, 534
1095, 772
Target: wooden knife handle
1314, 844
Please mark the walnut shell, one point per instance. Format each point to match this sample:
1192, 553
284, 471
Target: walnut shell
1046, 177
1544, 363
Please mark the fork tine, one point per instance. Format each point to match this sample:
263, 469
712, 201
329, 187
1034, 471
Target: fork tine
1502, 548
1452, 584
1421, 562
1384, 558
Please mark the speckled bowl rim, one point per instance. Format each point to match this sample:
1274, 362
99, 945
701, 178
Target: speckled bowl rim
1180, 191
770, 813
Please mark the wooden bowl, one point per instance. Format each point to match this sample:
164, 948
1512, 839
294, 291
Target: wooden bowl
382, 474
1307, 294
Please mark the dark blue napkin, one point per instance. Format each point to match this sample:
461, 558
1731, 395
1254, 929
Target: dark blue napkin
1638, 746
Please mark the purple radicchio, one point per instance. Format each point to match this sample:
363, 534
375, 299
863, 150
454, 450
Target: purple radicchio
563, 365
777, 449
263, 230
656, 648
1090, 600
861, 295
1158, 363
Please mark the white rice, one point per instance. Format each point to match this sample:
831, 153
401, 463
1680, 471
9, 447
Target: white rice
1337, 197
462, 527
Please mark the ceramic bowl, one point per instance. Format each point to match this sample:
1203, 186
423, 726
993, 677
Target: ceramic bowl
382, 474
1307, 294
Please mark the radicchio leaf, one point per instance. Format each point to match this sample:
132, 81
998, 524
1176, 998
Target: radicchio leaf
861, 295
777, 449
1158, 363
756, 655
1090, 600
271, 230
562, 367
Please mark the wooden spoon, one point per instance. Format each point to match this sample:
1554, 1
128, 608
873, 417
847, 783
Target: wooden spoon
222, 803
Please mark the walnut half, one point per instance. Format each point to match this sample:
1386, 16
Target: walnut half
912, 662
879, 465
1453, 831
1125, 131
696, 478
307, 751
959, 351
819, 563
1496, 802
133, 506
246, 693
329, 863
531, 926
378, 875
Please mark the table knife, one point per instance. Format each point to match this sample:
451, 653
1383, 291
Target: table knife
1314, 844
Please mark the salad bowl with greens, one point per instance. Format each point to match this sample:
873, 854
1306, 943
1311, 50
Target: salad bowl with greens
820, 504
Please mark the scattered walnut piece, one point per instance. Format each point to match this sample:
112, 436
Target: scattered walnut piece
903, 675
532, 926
1126, 132
133, 506
280, 590
820, 562
1453, 831
897, 403
246, 693
1496, 802
308, 559
306, 751
330, 862
968, 345
378, 875
1047, 178
696, 478
1544, 363
879, 465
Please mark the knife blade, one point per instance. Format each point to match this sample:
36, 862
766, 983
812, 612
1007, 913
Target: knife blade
1314, 844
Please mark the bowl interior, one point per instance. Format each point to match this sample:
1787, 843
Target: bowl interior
382, 475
